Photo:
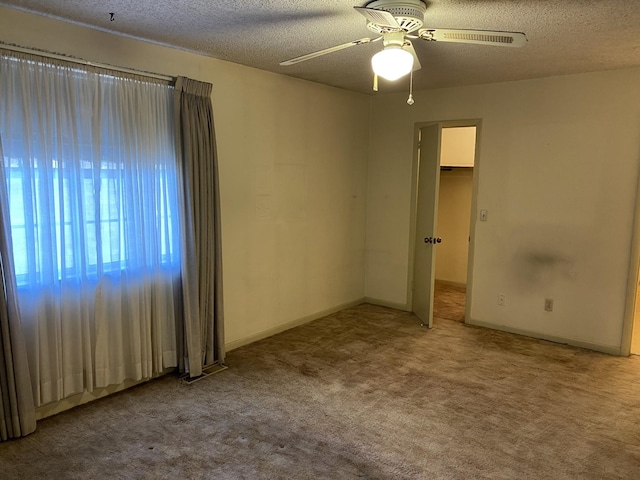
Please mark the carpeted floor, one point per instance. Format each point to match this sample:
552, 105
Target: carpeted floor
449, 301
364, 393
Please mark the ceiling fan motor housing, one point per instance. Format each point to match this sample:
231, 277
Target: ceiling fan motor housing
408, 13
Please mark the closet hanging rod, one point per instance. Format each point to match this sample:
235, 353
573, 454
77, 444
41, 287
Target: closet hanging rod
42, 53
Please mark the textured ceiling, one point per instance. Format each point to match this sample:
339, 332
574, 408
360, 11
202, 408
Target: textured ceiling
564, 36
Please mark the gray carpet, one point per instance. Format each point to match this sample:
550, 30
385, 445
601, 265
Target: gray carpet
364, 393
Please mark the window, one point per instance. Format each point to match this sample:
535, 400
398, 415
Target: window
95, 191
91, 176
104, 228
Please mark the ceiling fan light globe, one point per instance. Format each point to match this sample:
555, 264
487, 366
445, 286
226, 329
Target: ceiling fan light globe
392, 63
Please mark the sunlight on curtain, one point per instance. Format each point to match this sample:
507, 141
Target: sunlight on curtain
90, 163
17, 408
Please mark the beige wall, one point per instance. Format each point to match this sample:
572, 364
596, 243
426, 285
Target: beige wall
293, 159
557, 173
454, 212
558, 167
458, 146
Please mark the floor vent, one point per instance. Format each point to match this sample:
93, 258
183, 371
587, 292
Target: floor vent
206, 372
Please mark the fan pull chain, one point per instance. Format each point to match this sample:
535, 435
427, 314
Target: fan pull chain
410, 100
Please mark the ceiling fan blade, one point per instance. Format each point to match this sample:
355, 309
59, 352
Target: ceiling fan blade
478, 37
378, 17
319, 53
416, 62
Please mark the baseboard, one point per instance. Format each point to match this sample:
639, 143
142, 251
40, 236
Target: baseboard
288, 325
53, 408
608, 349
385, 303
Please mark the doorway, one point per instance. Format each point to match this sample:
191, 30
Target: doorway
631, 331
457, 160
445, 178
635, 338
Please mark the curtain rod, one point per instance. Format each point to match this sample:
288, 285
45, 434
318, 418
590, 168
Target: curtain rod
42, 53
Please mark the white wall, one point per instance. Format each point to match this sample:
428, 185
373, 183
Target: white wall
558, 167
454, 212
293, 160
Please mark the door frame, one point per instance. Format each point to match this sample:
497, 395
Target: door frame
414, 206
630, 323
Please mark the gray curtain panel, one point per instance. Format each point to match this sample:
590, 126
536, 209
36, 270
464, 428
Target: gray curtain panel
202, 257
17, 410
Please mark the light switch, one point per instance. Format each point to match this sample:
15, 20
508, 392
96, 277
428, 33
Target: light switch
483, 215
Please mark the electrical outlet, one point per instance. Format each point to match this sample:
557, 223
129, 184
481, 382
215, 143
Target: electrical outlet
548, 304
502, 299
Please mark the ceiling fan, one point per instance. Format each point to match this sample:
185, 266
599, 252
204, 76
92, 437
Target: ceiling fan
397, 22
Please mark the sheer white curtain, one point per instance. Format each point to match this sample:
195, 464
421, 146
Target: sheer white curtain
17, 409
90, 164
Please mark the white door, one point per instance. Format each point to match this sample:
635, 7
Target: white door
426, 220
